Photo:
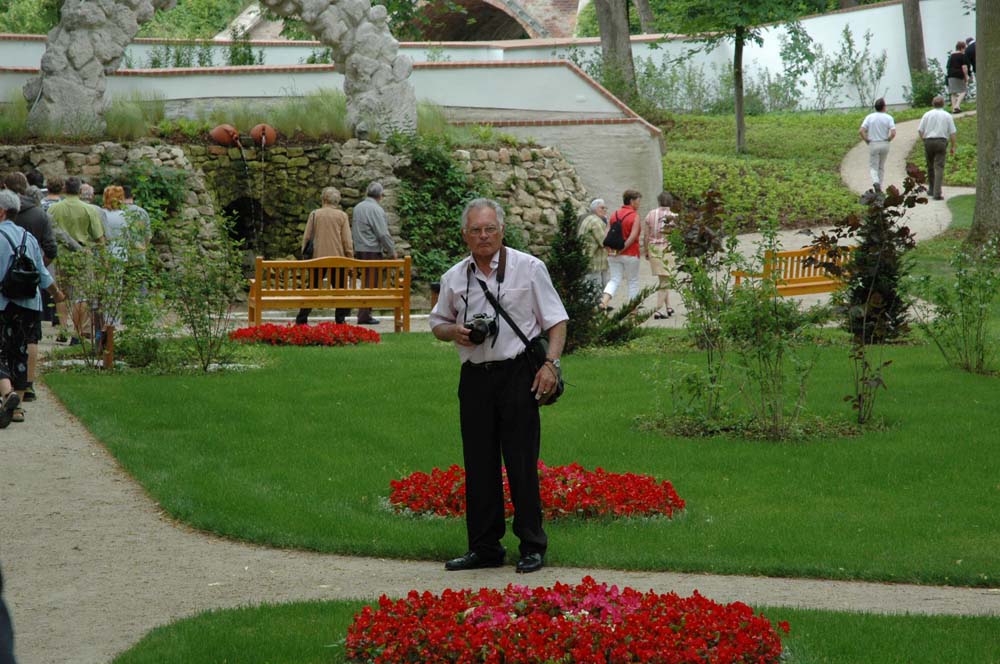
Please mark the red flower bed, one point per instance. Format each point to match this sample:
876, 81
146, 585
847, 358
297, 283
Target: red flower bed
565, 491
589, 622
322, 334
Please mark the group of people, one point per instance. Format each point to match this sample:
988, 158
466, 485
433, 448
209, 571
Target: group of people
936, 129
48, 216
331, 234
647, 239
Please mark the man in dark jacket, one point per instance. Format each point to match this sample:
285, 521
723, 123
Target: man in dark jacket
36, 221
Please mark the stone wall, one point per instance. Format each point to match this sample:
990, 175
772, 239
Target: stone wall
277, 187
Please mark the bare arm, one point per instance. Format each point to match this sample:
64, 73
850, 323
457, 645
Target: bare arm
453, 332
864, 134
633, 237
892, 133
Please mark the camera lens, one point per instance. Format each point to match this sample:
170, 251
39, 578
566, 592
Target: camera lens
478, 331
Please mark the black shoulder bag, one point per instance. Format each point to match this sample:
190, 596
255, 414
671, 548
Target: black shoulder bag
615, 239
22, 278
537, 348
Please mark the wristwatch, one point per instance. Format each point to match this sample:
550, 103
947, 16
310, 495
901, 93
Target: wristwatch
554, 362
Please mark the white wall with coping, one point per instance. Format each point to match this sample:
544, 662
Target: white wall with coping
944, 22
547, 88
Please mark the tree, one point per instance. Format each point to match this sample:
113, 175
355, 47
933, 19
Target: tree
739, 22
616, 48
986, 221
913, 28
646, 19
568, 266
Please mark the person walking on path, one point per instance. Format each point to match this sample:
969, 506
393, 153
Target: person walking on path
370, 230
499, 391
6, 631
877, 130
937, 129
592, 230
656, 249
624, 264
958, 76
330, 232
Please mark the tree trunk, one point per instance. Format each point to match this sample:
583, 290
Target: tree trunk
986, 221
741, 140
845, 4
913, 28
616, 47
646, 21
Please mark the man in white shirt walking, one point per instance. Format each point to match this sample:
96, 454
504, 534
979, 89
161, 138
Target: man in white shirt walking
937, 129
877, 130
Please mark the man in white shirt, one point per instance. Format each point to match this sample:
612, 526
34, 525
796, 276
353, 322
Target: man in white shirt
877, 130
937, 128
499, 393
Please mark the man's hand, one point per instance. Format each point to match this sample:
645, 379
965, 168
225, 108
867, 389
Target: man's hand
460, 335
57, 295
545, 382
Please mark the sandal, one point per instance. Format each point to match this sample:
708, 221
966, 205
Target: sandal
29, 394
670, 312
659, 316
17, 415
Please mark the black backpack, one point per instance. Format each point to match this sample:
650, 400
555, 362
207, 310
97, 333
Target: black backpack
22, 278
615, 239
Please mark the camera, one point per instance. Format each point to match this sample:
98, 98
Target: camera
481, 327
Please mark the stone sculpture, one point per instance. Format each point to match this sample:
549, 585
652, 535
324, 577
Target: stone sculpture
92, 35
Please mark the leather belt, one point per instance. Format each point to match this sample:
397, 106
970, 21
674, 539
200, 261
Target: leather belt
496, 365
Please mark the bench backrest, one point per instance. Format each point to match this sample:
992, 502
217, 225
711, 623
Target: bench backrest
321, 275
793, 268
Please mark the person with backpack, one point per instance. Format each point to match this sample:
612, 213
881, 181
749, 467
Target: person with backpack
23, 271
623, 243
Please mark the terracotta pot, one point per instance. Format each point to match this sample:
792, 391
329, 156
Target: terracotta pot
265, 133
225, 135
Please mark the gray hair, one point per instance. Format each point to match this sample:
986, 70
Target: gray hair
87, 192
479, 204
10, 202
331, 195
375, 190
596, 203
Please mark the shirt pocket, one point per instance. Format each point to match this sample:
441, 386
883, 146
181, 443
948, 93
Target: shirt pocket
519, 303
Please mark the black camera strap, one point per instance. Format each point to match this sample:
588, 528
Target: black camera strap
503, 312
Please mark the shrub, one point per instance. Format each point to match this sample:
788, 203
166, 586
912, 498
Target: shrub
568, 266
956, 314
201, 285
924, 85
433, 190
160, 190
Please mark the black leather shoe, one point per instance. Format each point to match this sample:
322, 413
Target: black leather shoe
530, 562
472, 560
370, 321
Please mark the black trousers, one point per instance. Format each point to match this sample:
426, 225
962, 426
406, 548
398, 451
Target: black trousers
936, 152
6, 631
18, 327
499, 417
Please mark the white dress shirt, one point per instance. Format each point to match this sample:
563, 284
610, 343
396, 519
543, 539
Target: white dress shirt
878, 125
527, 294
937, 123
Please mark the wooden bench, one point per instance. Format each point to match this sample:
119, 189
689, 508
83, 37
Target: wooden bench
331, 282
798, 278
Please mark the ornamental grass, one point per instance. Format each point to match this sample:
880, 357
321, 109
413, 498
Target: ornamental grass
321, 334
569, 490
588, 622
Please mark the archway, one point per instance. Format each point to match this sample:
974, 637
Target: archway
88, 43
481, 21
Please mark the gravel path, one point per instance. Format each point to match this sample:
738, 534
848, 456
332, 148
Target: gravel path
92, 564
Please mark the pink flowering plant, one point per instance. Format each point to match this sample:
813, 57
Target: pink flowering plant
587, 622
565, 491
322, 334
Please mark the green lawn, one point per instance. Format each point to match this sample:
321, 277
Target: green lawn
301, 453
312, 632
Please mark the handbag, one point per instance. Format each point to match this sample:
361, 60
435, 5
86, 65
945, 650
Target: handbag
22, 278
310, 248
536, 349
